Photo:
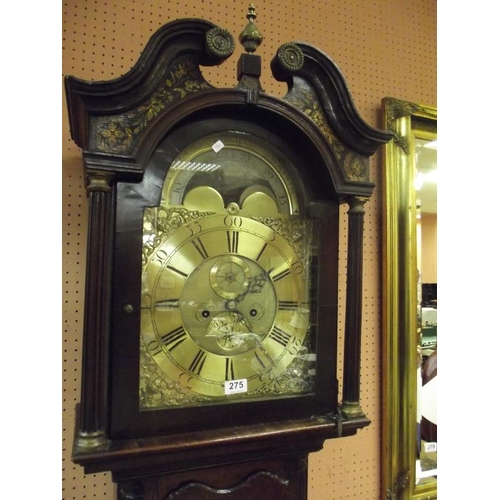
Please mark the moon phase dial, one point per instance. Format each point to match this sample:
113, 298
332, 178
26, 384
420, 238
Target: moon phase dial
241, 168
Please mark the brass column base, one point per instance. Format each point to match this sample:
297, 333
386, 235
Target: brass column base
352, 410
89, 441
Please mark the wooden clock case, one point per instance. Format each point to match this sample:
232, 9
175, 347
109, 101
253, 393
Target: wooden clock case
119, 125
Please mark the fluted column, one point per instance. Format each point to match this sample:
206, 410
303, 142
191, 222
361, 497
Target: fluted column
92, 410
352, 343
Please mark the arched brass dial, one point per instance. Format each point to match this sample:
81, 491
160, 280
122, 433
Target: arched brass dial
225, 289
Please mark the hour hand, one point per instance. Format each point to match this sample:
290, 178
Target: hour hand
255, 285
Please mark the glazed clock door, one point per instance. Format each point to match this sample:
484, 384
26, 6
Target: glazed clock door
226, 283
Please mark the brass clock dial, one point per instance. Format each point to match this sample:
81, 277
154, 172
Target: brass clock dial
226, 276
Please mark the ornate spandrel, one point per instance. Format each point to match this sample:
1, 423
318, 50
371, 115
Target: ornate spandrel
159, 223
155, 391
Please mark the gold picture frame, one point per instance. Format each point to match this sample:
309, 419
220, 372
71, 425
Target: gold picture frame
408, 122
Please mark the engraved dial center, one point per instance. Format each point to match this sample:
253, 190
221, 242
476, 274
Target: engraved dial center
235, 305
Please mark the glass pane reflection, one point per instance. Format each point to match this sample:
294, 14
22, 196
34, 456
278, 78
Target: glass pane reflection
426, 193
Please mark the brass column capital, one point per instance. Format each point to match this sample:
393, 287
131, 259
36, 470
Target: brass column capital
99, 181
356, 205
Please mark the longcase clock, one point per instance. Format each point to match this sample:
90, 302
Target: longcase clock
210, 338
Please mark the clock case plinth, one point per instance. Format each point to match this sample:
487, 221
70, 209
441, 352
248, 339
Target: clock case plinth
118, 124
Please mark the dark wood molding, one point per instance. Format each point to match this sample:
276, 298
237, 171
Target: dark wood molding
184, 450
312, 70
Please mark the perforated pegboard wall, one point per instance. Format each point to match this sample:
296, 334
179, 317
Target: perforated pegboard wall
384, 48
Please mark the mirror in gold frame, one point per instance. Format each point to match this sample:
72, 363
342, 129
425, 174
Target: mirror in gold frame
410, 302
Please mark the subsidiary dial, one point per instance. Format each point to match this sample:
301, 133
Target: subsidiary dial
229, 277
230, 329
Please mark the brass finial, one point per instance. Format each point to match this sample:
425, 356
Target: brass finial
250, 37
